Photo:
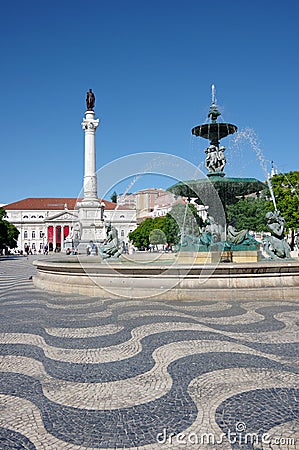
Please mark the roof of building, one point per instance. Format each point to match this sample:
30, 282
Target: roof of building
151, 190
41, 203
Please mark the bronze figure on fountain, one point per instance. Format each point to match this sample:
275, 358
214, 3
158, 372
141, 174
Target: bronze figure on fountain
276, 246
111, 248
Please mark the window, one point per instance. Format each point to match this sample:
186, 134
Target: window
33, 217
25, 217
122, 233
33, 234
41, 234
41, 246
25, 234
40, 217
33, 246
122, 216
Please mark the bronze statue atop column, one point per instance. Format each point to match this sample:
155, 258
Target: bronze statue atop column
90, 100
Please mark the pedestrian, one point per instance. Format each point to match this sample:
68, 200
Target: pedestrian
131, 248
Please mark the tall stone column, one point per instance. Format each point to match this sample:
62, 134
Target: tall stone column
89, 208
89, 126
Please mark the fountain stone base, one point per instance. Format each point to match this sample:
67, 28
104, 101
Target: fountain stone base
264, 280
204, 257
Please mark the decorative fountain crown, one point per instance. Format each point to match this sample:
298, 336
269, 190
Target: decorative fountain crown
214, 112
214, 131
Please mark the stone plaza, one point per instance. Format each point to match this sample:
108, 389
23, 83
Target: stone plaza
82, 372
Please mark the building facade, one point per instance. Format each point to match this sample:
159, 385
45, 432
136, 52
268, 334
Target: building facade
49, 221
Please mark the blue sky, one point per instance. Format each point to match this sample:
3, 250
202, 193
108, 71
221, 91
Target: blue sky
151, 65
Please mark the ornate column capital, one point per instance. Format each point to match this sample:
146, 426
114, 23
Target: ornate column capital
90, 124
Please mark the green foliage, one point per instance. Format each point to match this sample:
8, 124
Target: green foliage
154, 231
2, 213
140, 236
250, 213
171, 229
8, 232
170, 225
187, 219
286, 192
114, 197
157, 237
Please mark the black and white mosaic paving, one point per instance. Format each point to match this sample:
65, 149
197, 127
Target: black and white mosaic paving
90, 373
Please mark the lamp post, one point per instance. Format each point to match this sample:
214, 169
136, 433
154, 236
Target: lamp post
43, 237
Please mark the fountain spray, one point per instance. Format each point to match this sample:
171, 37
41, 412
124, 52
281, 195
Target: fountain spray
271, 191
213, 95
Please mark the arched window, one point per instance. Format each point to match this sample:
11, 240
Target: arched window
33, 217
40, 217
25, 217
122, 216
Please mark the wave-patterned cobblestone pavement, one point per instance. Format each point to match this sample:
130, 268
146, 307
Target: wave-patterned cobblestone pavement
89, 373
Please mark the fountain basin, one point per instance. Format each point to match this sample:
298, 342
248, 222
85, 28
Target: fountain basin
264, 280
228, 188
214, 131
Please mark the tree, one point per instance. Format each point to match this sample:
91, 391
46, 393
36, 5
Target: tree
114, 197
140, 236
250, 213
180, 219
8, 232
286, 193
186, 218
157, 237
171, 229
2, 213
151, 230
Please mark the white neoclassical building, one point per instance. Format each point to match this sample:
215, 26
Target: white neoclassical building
48, 221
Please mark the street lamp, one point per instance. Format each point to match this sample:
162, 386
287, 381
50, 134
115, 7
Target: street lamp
43, 237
